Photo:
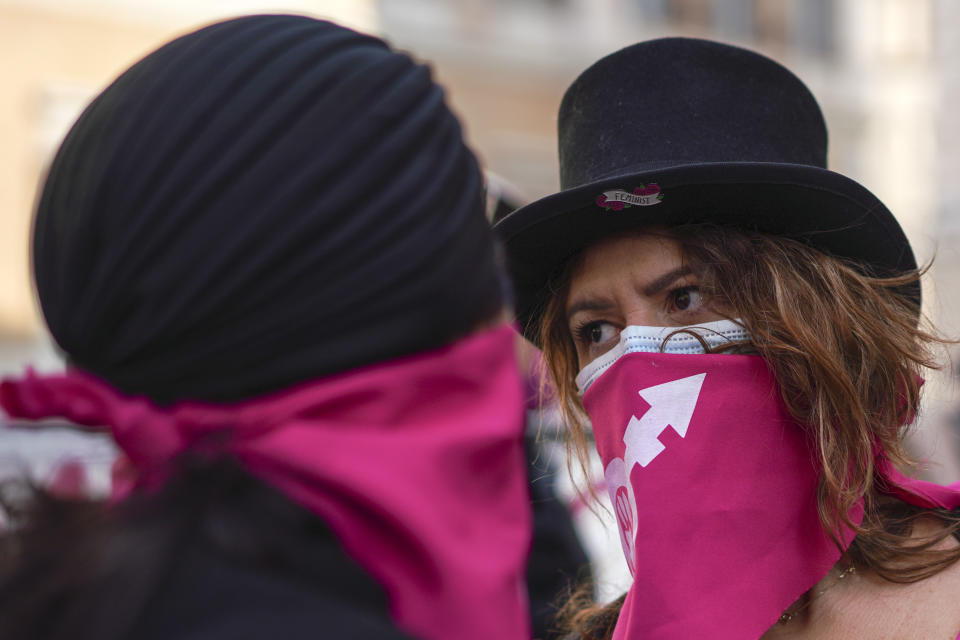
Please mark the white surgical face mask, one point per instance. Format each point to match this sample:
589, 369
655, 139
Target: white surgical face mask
636, 339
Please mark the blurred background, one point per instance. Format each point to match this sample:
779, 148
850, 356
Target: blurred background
885, 71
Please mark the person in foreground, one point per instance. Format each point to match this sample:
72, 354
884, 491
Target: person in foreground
740, 326
263, 250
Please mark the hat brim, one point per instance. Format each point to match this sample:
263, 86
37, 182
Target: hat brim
821, 208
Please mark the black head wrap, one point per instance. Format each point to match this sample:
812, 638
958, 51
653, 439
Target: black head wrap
266, 200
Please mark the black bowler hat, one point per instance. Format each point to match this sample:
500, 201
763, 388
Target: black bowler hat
681, 130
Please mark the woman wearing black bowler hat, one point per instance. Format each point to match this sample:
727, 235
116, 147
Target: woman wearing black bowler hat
263, 250
740, 326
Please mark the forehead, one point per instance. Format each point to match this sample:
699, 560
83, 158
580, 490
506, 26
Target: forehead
637, 256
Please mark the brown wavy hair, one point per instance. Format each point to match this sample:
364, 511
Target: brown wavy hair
847, 352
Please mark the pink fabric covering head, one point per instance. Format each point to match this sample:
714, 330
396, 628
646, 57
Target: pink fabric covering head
417, 466
714, 488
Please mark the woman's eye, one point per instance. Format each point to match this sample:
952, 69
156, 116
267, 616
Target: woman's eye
599, 332
686, 298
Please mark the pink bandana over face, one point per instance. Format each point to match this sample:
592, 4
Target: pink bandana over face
417, 465
714, 489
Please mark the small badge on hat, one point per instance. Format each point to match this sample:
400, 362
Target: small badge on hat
645, 195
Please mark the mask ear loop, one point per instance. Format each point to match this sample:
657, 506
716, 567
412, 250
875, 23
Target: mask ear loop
738, 343
715, 337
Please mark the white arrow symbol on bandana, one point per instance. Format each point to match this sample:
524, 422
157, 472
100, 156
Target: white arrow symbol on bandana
671, 404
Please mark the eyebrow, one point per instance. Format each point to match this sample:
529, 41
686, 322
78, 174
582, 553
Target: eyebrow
652, 289
665, 281
589, 304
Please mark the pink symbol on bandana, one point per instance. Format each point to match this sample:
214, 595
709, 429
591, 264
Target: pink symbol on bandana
624, 509
624, 506
671, 405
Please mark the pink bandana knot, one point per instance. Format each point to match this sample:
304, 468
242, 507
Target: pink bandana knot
150, 436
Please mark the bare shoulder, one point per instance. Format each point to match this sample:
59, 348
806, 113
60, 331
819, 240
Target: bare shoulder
866, 606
